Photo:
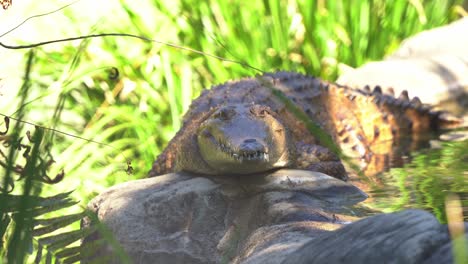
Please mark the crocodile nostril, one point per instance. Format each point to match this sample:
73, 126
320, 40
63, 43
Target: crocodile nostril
252, 148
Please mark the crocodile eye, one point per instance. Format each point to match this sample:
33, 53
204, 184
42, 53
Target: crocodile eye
223, 114
206, 134
261, 112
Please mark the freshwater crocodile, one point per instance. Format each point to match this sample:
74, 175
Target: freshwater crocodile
247, 126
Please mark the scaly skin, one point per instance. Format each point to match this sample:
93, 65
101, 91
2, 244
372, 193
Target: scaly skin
241, 127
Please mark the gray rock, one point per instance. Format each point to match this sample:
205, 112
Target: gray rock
451, 39
178, 218
432, 64
288, 216
434, 80
444, 252
405, 237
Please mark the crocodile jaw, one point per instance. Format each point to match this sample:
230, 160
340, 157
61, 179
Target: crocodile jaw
232, 158
256, 152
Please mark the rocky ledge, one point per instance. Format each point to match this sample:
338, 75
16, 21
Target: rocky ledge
289, 216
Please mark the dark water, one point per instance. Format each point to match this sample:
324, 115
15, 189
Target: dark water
426, 181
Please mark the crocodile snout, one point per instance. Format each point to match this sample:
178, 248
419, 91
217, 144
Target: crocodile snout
251, 145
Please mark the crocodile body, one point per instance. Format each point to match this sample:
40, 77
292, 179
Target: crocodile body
244, 127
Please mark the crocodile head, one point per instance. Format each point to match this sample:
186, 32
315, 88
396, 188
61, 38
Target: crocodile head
243, 139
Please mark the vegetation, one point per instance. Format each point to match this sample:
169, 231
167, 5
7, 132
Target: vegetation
123, 98
427, 182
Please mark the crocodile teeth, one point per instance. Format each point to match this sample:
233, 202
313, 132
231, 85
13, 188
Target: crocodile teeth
258, 155
250, 156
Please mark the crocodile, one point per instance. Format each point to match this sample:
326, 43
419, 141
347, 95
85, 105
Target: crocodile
252, 125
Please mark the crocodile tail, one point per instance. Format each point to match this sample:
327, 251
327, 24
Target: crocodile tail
444, 120
371, 121
405, 115
421, 118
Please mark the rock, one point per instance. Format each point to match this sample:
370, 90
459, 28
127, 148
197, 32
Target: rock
288, 216
410, 236
435, 80
432, 64
444, 252
180, 218
447, 40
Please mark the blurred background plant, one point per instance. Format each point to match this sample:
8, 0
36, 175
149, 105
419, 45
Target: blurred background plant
427, 181
130, 95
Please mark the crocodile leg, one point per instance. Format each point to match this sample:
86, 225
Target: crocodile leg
321, 159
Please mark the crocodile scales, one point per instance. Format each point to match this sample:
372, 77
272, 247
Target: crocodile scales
243, 127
